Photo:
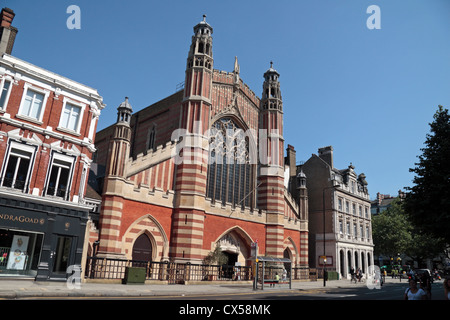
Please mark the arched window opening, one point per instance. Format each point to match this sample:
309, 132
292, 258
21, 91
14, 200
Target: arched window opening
230, 172
200, 47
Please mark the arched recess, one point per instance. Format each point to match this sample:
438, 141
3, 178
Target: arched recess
236, 242
152, 228
293, 250
143, 248
342, 269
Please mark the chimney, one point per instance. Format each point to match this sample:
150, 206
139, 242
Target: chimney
7, 31
380, 198
290, 160
326, 154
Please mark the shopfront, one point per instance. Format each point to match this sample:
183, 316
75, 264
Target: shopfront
40, 239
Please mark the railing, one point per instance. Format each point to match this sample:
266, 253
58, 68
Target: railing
102, 268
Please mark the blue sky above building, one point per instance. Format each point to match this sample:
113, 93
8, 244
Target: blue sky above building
370, 93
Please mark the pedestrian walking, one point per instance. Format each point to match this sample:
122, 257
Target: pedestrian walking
447, 288
413, 292
425, 284
352, 273
358, 274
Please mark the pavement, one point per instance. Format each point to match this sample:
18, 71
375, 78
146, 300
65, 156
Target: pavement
30, 289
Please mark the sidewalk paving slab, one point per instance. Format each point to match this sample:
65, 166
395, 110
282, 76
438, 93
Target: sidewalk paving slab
14, 289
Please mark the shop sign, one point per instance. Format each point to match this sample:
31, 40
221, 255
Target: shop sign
28, 220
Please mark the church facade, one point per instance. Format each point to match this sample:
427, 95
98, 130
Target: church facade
202, 168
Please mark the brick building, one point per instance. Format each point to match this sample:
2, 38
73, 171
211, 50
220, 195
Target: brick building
47, 128
200, 168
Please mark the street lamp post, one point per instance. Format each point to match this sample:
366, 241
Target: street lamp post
324, 247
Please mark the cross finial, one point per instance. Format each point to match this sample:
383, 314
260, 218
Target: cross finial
204, 17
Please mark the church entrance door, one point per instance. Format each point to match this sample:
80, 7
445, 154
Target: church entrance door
142, 248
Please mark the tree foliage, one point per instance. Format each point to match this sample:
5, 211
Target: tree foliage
393, 234
391, 230
216, 257
428, 201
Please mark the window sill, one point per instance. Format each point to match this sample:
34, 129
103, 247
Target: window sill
30, 119
48, 196
69, 131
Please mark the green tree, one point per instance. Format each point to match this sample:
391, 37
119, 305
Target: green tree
424, 247
216, 257
393, 233
428, 201
391, 230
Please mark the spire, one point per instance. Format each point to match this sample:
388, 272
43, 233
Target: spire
236, 72
271, 98
271, 74
236, 65
203, 28
124, 111
200, 53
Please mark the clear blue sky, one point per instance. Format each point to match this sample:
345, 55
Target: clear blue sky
369, 93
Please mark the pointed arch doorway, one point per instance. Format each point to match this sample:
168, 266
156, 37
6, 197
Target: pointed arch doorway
142, 249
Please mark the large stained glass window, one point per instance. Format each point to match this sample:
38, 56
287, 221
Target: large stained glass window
230, 171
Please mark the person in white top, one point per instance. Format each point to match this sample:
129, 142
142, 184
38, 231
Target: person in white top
413, 292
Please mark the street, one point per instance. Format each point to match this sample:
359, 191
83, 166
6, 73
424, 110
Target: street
270, 302
389, 291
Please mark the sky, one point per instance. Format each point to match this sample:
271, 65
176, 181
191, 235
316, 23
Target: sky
370, 93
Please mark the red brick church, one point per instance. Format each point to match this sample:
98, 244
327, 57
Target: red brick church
204, 167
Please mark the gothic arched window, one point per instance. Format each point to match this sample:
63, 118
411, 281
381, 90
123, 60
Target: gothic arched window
230, 171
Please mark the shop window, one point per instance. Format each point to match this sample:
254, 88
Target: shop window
59, 178
17, 167
19, 252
